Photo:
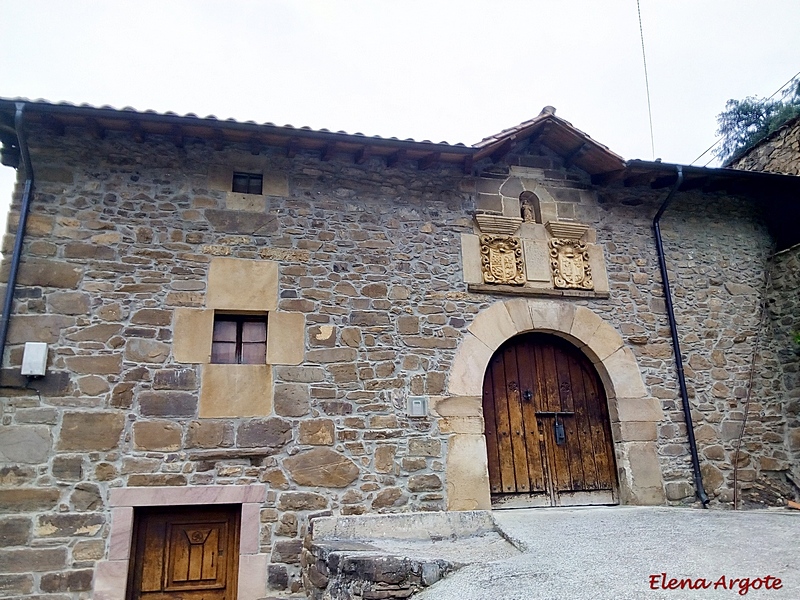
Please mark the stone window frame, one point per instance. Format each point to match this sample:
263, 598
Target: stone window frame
247, 286
250, 178
111, 575
239, 342
273, 183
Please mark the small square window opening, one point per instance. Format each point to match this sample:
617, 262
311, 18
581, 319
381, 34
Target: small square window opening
239, 339
247, 183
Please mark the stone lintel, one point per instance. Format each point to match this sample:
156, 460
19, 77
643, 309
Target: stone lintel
205, 494
510, 290
242, 285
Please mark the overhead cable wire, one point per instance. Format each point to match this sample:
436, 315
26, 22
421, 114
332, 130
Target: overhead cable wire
646, 82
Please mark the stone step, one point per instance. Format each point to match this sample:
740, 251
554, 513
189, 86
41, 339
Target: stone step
376, 557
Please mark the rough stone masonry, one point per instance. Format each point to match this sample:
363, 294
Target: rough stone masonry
121, 235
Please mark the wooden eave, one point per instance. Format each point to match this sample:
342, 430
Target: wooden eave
140, 125
577, 148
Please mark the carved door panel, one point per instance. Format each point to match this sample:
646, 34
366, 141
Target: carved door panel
185, 553
548, 434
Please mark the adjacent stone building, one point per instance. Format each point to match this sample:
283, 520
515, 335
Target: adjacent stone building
780, 153
248, 326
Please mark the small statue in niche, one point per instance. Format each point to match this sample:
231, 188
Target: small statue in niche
527, 213
529, 207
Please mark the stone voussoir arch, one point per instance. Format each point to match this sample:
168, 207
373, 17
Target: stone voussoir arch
634, 414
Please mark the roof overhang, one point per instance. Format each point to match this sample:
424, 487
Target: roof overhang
560, 136
657, 175
140, 125
778, 193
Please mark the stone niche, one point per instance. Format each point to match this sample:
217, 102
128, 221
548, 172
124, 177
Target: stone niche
524, 243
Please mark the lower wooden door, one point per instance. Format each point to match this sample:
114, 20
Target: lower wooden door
548, 434
185, 553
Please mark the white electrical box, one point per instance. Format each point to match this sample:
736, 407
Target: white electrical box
417, 406
34, 359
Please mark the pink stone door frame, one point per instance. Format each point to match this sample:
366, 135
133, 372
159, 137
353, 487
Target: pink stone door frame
634, 413
111, 575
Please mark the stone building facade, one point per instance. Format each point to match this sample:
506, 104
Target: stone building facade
389, 274
777, 153
780, 375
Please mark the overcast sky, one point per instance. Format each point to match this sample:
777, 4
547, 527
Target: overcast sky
441, 70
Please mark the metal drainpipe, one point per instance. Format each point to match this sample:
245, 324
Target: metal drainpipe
23, 218
676, 346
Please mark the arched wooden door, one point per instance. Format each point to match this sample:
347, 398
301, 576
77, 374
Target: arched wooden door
548, 434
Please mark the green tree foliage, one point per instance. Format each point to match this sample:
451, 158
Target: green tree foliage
745, 122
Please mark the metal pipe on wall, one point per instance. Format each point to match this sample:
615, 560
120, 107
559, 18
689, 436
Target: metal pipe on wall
676, 346
27, 193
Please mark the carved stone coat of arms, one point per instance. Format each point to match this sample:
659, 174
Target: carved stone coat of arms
569, 261
501, 260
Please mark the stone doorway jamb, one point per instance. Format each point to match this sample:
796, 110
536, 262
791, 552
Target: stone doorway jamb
634, 414
111, 575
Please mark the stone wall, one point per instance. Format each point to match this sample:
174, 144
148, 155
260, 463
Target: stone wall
779, 153
716, 249
777, 377
121, 235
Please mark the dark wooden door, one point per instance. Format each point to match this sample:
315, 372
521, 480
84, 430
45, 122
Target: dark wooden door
548, 434
186, 553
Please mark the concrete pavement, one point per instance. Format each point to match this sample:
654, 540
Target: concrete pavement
620, 553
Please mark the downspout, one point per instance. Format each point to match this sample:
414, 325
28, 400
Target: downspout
676, 346
23, 218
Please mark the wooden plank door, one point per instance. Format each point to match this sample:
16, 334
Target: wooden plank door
548, 434
185, 553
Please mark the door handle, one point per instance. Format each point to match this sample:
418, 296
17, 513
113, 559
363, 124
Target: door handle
561, 435
558, 424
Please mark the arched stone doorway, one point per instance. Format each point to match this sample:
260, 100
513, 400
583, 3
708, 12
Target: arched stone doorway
633, 413
548, 434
